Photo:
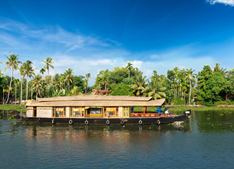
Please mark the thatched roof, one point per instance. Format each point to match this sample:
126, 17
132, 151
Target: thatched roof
95, 101
94, 98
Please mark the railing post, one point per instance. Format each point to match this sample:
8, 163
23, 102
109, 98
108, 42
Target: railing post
144, 110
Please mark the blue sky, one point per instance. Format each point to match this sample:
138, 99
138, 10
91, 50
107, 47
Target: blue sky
92, 35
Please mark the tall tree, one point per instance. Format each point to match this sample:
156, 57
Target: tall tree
42, 71
217, 68
22, 73
129, 67
11, 63
191, 77
29, 72
87, 76
139, 84
156, 87
48, 61
16, 83
37, 85
69, 76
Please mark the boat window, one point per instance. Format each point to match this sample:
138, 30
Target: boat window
111, 112
77, 111
95, 111
59, 112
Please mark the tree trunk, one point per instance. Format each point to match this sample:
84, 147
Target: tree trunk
10, 85
27, 89
21, 91
31, 92
15, 93
190, 92
3, 96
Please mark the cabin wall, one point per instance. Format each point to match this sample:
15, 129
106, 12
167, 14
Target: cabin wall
44, 112
29, 112
120, 112
67, 112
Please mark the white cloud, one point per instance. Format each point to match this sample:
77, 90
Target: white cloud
226, 2
48, 34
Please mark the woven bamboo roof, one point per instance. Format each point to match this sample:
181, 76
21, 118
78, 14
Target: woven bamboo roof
94, 98
95, 101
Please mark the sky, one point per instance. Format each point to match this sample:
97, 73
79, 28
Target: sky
93, 35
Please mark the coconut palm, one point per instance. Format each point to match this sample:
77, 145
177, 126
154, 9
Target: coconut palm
217, 68
37, 85
48, 61
190, 77
22, 73
69, 76
42, 71
16, 83
87, 76
156, 87
11, 63
129, 67
29, 72
139, 84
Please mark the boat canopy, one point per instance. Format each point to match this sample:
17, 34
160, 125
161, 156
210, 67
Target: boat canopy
96, 101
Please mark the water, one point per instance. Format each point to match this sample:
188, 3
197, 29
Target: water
205, 141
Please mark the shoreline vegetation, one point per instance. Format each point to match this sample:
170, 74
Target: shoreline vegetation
174, 108
210, 87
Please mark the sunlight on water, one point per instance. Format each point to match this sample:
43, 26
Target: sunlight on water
205, 141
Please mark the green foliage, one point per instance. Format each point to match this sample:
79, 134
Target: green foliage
178, 102
208, 103
122, 90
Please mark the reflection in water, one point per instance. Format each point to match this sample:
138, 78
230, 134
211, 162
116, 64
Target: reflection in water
205, 141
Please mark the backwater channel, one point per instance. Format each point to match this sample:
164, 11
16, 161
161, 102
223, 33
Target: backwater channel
206, 140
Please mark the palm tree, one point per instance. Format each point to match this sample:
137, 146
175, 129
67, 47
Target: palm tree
42, 71
12, 63
48, 62
190, 77
56, 81
104, 77
22, 73
29, 71
129, 67
16, 83
139, 84
69, 76
156, 87
217, 68
87, 81
37, 85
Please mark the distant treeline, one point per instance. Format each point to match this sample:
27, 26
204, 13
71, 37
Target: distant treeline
210, 86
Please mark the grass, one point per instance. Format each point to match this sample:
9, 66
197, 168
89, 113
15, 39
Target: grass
184, 108
13, 107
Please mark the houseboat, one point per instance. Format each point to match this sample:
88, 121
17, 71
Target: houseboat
97, 109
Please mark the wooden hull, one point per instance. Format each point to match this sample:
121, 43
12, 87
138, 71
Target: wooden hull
111, 121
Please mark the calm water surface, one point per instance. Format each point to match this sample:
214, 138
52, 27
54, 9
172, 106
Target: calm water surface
205, 141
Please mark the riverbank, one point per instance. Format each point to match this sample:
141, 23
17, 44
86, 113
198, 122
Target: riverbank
13, 107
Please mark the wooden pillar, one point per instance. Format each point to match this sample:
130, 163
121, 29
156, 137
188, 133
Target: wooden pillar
144, 110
